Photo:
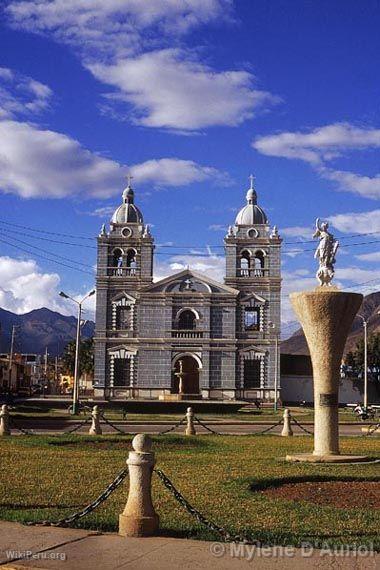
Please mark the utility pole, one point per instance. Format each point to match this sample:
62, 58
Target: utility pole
75, 406
11, 358
365, 396
56, 373
276, 359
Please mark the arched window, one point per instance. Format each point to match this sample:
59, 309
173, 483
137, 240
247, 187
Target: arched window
259, 264
131, 261
245, 262
117, 258
186, 320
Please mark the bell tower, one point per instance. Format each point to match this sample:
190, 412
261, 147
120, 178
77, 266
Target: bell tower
124, 266
253, 267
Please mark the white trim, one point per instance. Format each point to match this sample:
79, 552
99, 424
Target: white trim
194, 355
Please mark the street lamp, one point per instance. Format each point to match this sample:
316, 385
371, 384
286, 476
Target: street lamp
77, 345
365, 402
274, 327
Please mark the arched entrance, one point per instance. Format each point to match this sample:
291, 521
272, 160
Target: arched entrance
185, 375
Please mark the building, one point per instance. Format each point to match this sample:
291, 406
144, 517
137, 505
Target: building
187, 336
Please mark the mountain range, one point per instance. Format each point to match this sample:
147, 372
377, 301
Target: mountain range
39, 329
296, 344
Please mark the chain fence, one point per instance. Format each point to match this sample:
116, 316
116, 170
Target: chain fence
113, 426
90, 507
77, 427
12, 424
172, 428
254, 433
372, 429
225, 535
293, 419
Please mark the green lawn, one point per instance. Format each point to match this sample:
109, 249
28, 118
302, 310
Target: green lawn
50, 477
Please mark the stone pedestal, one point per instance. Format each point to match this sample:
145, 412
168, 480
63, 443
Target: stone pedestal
190, 429
139, 517
4, 421
95, 428
287, 428
326, 316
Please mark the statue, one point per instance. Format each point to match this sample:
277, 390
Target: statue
325, 252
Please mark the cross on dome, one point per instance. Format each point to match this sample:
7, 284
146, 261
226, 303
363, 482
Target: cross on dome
251, 180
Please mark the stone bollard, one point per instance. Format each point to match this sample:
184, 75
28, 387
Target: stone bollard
139, 517
287, 428
190, 429
4, 420
95, 428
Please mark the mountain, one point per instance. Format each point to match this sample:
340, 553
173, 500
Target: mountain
39, 329
296, 344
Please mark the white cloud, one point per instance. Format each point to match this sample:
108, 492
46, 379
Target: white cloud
366, 186
370, 257
217, 227
358, 223
176, 172
297, 231
113, 27
36, 162
21, 95
321, 144
211, 265
168, 89
24, 287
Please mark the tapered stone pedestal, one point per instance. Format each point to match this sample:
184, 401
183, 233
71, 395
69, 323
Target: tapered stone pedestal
326, 316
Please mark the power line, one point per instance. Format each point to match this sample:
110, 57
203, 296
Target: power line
44, 231
49, 252
46, 258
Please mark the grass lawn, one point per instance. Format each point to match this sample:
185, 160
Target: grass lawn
264, 415
51, 477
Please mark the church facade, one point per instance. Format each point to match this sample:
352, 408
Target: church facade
187, 336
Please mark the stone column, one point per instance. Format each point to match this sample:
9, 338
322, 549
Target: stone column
4, 421
326, 316
287, 428
95, 428
190, 429
139, 517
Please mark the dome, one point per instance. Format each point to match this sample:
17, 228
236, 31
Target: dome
127, 213
251, 214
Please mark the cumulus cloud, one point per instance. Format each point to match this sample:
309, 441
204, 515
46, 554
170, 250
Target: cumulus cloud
359, 223
211, 265
113, 27
366, 186
297, 231
168, 89
21, 95
24, 287
36, 162
319, 145
176, 172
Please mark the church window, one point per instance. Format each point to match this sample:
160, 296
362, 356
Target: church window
252, 318
245, 263
124, 318
251, 373
122, 372
117, 258
186, 320
259, 263
131, 261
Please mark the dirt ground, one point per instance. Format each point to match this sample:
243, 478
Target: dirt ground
340, 494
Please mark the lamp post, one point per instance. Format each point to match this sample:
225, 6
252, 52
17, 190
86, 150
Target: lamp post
77, 347
273, 326
365, 398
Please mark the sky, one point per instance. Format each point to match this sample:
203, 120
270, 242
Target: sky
190, 97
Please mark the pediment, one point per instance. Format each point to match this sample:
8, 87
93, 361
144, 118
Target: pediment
253, 297
188, 281
123, 295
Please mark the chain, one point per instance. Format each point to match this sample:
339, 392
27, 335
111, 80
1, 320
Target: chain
223, 533
20, 429
89, 508
301, 426
76, 427
172, 428
206, 427
372, 429
113, 425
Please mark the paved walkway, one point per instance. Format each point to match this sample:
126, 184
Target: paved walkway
68, 549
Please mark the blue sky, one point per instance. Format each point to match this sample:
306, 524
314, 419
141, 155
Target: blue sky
191, 96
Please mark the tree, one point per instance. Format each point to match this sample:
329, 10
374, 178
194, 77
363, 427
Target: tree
355, 358
86, 357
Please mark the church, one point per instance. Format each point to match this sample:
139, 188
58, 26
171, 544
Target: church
187, 336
